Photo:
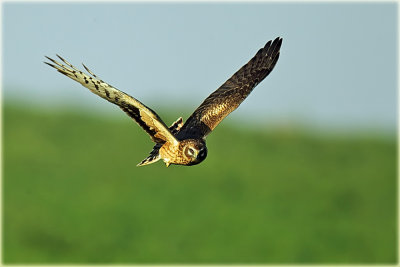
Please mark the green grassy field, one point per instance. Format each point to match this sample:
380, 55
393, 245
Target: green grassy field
72, 194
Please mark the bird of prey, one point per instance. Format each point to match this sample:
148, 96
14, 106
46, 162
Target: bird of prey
182, 143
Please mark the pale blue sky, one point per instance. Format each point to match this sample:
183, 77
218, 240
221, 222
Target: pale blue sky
338, 61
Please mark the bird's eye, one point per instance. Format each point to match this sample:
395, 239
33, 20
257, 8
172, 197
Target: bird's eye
189, 152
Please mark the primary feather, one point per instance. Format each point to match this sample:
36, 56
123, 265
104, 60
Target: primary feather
143, 115
231, 94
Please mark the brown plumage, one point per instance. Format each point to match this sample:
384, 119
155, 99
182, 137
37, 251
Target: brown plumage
182, 144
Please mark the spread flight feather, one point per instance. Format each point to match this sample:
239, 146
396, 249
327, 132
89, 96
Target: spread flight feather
143, 115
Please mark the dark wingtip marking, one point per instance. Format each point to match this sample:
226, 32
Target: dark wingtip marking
60, 57
267, 45
51, 65
52, 60
86, 68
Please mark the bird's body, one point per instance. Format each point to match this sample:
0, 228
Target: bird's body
183, 143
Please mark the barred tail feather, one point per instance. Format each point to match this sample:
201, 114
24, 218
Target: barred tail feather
153, 157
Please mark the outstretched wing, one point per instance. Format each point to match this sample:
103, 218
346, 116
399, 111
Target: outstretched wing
229, 96
143, 115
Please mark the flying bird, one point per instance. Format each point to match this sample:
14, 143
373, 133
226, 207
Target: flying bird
182, 143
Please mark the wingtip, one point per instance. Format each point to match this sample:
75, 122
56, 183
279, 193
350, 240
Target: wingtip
278, 40
275, 46
60, 57
51, 65
52, 60
86, 68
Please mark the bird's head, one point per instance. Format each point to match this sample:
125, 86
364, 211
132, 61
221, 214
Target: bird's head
194, 151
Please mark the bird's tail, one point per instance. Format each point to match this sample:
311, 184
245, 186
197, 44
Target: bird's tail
153, 157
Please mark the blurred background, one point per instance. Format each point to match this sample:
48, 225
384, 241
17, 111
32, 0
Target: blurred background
303, 172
